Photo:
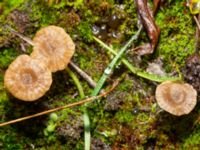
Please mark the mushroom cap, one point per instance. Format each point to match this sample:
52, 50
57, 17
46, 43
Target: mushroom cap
176, 98
54, 44
27, 79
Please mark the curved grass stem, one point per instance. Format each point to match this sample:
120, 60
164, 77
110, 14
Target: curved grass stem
77, 82
111, 66
85, 115
136, 70
101, 82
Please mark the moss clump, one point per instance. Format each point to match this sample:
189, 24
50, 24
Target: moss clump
177, 34
77, 4
3, 101
124, 116
3, 95
8, 5
193, 140
128, 118
10, 141
6, 57
42, 13
85, 31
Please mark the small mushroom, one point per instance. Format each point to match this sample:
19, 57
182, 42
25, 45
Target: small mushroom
176, 98
27, 79
54, 45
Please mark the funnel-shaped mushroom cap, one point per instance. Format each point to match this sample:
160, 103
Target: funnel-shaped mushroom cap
27, 79
55, 45
176, 98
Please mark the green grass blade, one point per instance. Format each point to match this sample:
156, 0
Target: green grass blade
136, 70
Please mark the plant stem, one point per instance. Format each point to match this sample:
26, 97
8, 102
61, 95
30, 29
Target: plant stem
136, 70
86, 120
110, 67
84, 75
87, 135
77, 82
101, 82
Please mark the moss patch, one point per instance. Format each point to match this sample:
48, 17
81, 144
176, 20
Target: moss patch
129, 117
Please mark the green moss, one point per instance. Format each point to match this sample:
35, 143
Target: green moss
6, 57
142, 117
142, 126
9, 5
127, 84
13, 3
3, 100
77, 4
124, 116
45, 15
193, 141
177, 35
3, 96
85, 31
10, 142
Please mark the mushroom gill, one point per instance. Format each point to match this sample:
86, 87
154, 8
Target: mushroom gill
53, 45
176, 98
27, 79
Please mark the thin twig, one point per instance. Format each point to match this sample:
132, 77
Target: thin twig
28, 40
197, 22
197, 34
80, 72
84, 75
62, 107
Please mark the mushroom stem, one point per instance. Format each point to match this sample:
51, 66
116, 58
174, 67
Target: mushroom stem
62, 107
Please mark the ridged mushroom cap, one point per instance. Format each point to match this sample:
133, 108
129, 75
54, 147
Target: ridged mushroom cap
176, 98
55, 45
27, 79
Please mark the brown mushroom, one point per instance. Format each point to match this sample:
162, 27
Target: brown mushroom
54, 44
27, 79
176, 98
